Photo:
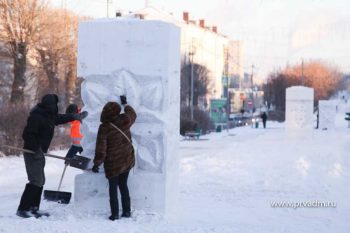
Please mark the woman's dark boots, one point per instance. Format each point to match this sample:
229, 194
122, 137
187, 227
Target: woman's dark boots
126, 206
114, 210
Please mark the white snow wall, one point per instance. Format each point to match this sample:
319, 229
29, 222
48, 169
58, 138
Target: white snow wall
139, 59
327, 113
299, 111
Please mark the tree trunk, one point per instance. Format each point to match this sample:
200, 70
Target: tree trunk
50, 66
71, 78
19, 70
195, 97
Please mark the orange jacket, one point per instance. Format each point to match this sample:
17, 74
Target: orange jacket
75, 134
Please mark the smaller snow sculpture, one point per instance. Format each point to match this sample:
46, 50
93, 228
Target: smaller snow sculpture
327, 113
299, 110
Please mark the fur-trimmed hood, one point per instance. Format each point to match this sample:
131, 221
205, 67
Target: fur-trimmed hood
110, 112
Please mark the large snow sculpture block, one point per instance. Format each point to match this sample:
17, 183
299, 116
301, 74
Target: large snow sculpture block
140, 59
299, 110
327, 113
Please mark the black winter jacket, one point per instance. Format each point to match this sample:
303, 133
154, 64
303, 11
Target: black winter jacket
41, 123
263, 116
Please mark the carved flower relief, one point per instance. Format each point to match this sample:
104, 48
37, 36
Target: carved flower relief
150, 154
145, 94
299, 115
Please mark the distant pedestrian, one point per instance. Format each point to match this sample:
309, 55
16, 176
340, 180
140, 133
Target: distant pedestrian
115, 150
264, 118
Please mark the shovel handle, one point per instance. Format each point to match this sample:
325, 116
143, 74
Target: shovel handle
32, 152
64, 171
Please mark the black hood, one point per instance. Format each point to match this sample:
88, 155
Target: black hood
49, 104
49, 99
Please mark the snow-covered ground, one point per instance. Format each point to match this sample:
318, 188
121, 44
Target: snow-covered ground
227, 183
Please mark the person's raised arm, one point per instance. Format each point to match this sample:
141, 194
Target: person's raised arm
65, 118
128, 110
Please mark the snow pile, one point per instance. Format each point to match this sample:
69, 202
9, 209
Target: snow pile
139, 59
227, 183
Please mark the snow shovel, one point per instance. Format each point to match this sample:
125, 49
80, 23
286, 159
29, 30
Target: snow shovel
58, 196
77, 161
80, 162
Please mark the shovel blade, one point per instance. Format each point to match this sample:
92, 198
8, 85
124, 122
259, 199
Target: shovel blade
79, 162
57, 196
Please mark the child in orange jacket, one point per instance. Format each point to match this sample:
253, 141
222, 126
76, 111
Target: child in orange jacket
75, 134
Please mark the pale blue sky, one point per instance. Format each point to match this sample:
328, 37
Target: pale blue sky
275, 32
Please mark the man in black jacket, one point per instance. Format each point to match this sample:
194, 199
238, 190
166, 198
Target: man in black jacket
264, 118
37, 136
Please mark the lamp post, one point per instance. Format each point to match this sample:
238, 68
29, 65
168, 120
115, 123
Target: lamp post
191, 54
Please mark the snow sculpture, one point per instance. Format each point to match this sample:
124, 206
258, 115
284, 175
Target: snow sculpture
327, 113
299, 110
140, 59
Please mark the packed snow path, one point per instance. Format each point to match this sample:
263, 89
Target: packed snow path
227, 183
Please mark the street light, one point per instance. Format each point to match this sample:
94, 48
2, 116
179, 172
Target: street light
191, 54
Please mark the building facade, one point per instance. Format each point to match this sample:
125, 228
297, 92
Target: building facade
246, 99
203, 45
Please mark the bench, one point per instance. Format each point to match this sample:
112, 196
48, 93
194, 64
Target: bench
193, 134
347, 118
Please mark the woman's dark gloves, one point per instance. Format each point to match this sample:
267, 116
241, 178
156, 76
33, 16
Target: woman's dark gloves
123, 99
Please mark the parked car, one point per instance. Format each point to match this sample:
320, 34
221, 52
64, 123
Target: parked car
241, 120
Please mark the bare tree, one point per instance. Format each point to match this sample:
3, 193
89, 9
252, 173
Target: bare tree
20, 24
52, 46
71, 58
5, 74
57, 52
275, 89
201, 82
323, 78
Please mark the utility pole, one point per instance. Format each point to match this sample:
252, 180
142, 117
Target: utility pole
251, 77
226, 73
191, 54
252, 83
226, 89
